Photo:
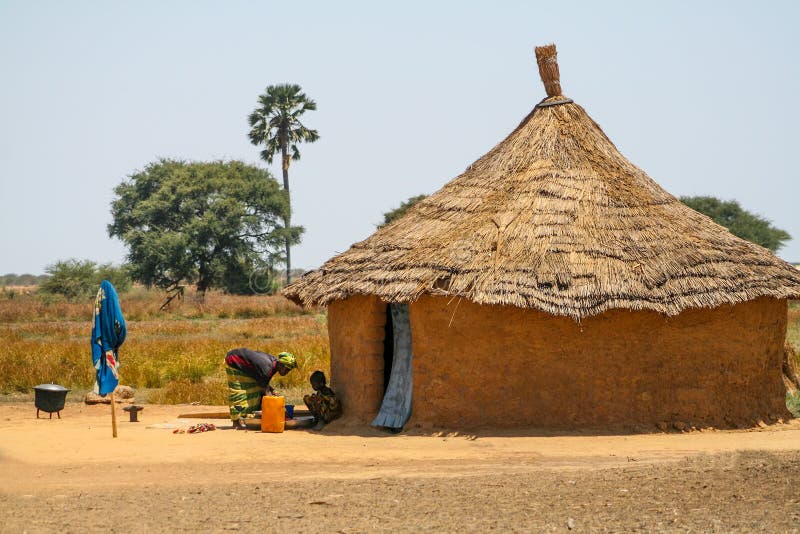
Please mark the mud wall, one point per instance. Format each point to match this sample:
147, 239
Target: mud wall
504, 366
356, 330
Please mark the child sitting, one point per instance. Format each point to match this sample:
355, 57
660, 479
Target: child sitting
323, 404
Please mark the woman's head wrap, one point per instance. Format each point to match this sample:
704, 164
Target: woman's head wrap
287, 359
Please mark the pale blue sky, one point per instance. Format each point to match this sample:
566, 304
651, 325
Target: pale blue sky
701, 95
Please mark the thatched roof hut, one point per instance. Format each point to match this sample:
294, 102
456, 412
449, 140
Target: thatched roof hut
554, 220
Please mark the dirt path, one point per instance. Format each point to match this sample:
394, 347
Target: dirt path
71, 475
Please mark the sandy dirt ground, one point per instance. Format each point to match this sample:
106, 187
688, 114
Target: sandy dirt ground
70, 475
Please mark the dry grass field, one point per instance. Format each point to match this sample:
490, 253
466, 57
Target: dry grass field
793, 326
174, 355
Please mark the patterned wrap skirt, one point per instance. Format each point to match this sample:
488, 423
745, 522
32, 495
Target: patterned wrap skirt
244, 393
323, 407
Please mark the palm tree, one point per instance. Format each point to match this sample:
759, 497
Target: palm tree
275, 123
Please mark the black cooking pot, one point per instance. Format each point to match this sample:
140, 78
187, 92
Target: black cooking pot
50, 398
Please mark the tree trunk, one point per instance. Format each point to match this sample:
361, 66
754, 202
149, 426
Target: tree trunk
200, 294
286, 220
202, 283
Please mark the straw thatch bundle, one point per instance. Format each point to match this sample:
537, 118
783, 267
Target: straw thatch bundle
554, 218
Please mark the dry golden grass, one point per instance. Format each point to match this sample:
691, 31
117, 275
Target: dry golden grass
793, 325
184, 391
141, 304
178, 353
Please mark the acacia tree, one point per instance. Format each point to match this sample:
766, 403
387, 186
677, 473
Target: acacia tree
739, 221
275, 123
198, 222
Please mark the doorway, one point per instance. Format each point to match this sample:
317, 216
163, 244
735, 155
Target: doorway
388, 348
396, 406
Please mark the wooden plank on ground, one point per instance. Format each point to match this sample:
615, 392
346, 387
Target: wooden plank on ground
205, 415
227, 415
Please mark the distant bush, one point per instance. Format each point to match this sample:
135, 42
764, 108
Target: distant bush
22, 279
73, 279
396, 213
79, 279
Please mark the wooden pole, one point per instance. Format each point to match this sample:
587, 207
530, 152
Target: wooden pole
113, 416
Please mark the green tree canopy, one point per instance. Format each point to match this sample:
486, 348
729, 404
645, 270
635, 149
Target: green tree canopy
200, 223
275, 123
401, 210
739, 221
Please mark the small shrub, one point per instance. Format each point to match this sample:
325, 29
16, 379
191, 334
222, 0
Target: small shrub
793, 403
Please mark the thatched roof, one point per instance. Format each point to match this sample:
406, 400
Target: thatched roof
554, 218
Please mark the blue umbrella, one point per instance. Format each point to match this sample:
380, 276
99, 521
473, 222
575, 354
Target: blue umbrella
108, 334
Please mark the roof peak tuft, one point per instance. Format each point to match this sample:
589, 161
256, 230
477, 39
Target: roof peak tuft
546, 58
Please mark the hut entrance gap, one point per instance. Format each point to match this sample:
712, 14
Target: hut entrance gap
388, 348
396, 406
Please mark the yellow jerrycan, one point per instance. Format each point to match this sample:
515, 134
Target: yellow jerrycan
273, 414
